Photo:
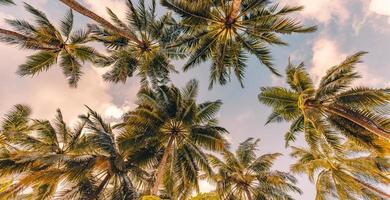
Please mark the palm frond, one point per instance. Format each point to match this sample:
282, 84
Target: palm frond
67, 23
37, 63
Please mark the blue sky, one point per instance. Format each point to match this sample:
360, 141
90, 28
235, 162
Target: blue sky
345, 27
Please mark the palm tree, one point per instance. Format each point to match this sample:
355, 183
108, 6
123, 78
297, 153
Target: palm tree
52, 44
333, 107
225, 31
343, 176
244, 175
85, 160
35, 151
149, 57
171, 119
117, 173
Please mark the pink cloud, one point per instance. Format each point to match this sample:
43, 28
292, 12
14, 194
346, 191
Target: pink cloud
326, 53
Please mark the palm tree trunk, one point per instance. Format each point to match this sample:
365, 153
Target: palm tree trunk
33, 42
161, 167
248, 194
373, 189
84, 11
361, 121
236, 5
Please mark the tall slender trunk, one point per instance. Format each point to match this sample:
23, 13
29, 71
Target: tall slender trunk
235, 9
248, 194
373, 189
361, 121
161, 167
32, 41
84, 11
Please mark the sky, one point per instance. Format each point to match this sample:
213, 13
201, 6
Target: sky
344, 27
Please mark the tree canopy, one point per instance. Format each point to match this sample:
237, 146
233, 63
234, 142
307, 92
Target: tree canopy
170, 141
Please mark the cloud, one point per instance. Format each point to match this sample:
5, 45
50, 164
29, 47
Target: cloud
322, 11
326, 54
113, 111
381, 7
49, 90
205, 186
370, 78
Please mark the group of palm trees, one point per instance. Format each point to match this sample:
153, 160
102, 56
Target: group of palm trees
170, 141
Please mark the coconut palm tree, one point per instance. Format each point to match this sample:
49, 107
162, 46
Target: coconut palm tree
226, 31
116, 174
35, 151
182, 129
333, 107
150, 57
244, 175
52, 45
85, 161
343, 176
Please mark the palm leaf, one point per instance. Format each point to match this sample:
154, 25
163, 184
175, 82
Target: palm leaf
38, 62
67, 23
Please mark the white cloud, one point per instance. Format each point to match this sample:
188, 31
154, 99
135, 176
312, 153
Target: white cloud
323, 10
370, 78
380, 7
49, 90
205, 186
113, 111
326, 54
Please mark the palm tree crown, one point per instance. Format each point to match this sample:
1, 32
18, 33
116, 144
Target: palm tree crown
244, 175
214, 32
333, 107
52, 45
55, 160
171, 118
150, 56
341, 176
